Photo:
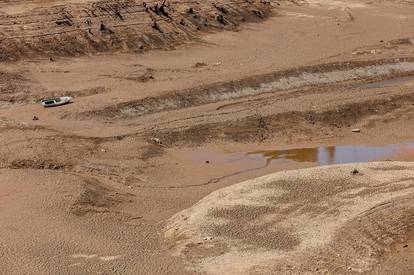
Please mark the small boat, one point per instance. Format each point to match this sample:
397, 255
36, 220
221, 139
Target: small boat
56, 101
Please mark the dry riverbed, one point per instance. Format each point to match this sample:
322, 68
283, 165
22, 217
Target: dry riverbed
142, 172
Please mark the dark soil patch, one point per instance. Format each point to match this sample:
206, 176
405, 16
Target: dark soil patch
97, 198
38, 164
152, 151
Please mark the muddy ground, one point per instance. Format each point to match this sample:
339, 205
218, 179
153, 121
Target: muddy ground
164, 116
319, 220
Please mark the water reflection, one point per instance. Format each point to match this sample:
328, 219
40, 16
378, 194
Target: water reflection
327, 155
299, 155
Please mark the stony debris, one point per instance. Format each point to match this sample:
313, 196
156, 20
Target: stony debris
199, 65
157, 141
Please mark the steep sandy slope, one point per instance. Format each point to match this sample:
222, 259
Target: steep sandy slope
72, 28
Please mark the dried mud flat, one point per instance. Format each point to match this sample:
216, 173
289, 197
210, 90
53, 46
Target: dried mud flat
129, 178
336, 219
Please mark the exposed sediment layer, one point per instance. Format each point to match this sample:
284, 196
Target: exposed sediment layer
278, 81
104, 26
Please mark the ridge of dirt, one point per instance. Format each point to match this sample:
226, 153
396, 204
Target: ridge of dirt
106, 26
261, 127
38, 164
318, 75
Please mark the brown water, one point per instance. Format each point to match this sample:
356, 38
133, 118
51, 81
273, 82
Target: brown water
238, 163
322, 155
327, 155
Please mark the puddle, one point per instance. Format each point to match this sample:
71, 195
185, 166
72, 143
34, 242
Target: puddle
328, 155
385, 83
229, 165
